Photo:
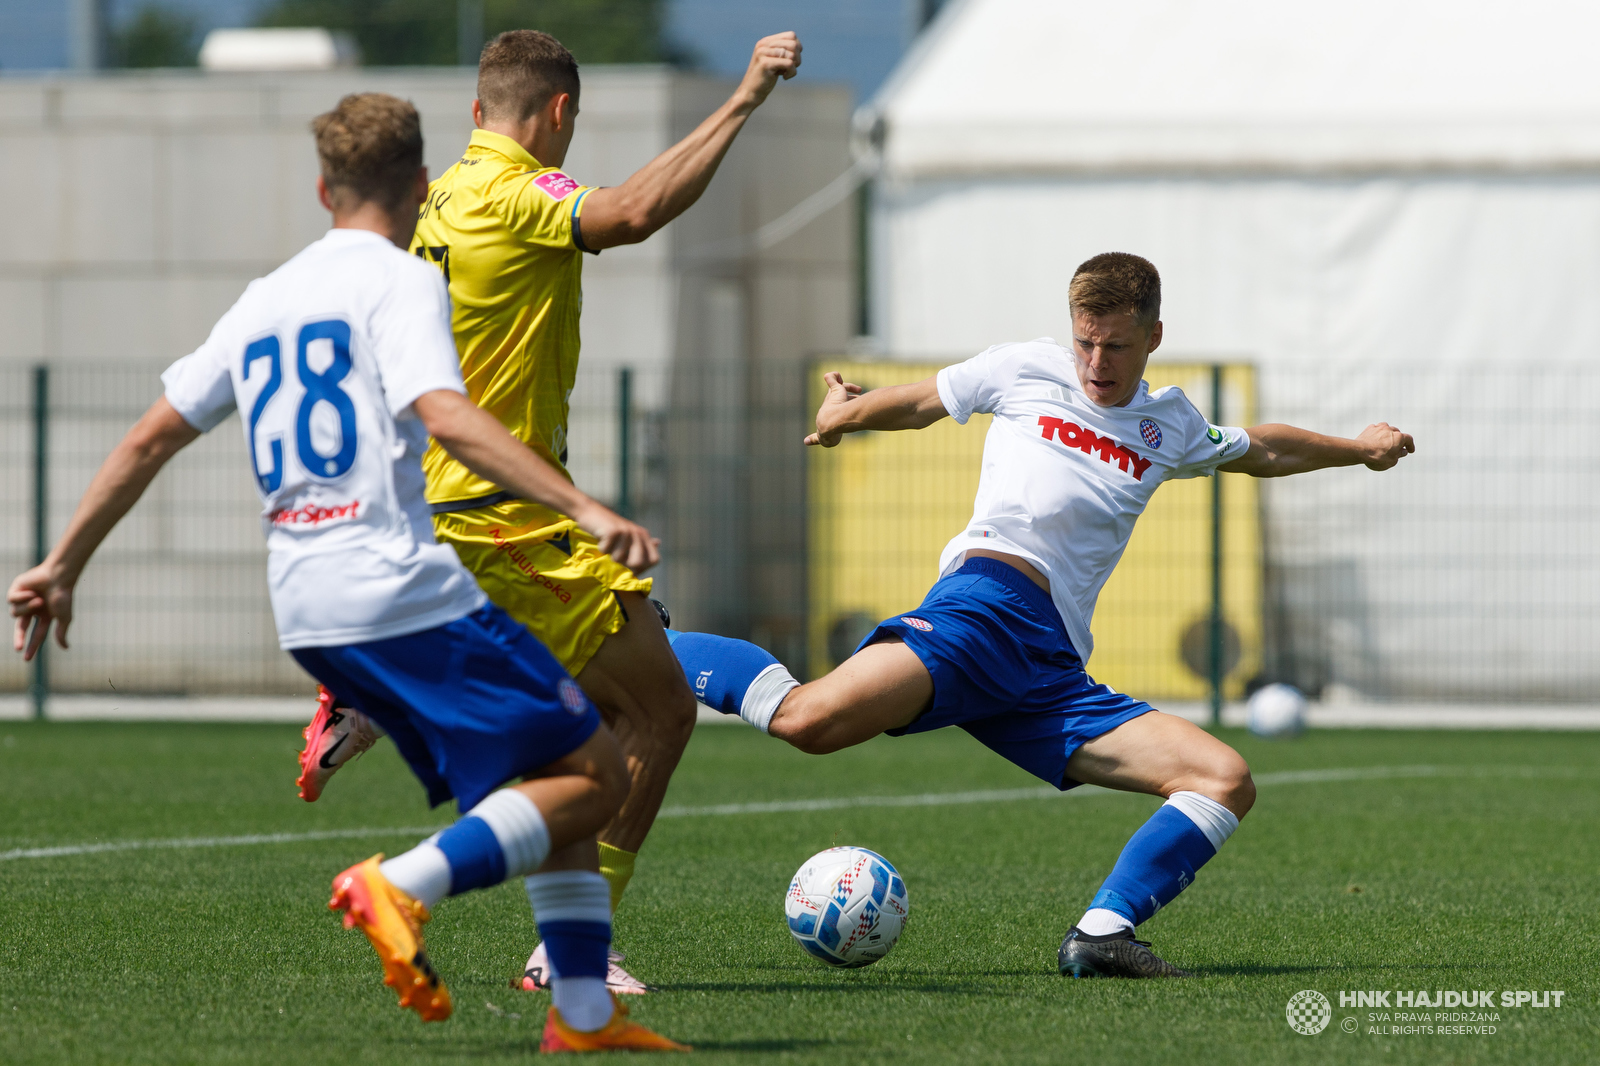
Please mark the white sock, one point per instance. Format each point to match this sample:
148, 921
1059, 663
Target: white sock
583, 1002
1101, 922
765, 693
518, 827
423, 873
1209, 816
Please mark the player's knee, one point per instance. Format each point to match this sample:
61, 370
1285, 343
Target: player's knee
805, 725
1225, 777
1234, 785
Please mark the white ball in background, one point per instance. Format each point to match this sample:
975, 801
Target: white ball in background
1277, 711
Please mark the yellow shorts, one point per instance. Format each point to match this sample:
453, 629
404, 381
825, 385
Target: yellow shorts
545, 572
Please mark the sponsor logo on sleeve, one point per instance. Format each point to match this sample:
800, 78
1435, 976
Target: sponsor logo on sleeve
1089, 442
556, 185
1151, 433
1216, 436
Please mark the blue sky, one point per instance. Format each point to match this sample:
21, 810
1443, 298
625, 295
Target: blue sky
855, 41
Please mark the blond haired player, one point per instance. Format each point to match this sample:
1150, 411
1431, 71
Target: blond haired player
341, 366
508, 229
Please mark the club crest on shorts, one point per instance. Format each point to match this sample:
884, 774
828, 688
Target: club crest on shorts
572, 697
917, 623
1150, 432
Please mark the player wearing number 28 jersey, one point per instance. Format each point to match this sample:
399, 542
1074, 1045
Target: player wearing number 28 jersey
342, 366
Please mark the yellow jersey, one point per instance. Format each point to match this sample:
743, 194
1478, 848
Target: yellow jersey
504, 230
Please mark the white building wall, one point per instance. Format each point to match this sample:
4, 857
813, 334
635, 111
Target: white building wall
140, 206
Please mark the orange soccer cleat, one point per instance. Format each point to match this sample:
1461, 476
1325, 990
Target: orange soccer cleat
393, 922
619, 1034
335, 736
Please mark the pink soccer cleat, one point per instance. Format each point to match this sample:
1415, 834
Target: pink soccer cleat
335, 736
536, 977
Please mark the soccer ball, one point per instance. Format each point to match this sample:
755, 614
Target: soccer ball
1277, 711
847, 906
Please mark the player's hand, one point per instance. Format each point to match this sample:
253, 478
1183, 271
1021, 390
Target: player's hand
627, 542
774, 57
831, 415
1385, 445
37, 598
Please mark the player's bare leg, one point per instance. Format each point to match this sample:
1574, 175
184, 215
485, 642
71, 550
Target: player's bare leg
639, 687
882, 686
1160, 754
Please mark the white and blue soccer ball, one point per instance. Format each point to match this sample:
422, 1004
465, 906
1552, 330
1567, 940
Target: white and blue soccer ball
847, 906
1277, 711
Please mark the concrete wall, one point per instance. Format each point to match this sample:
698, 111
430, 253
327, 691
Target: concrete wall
141, 206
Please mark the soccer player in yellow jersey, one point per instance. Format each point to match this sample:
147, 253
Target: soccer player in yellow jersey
508, 229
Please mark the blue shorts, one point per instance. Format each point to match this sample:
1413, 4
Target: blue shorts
1005, 670
470, 704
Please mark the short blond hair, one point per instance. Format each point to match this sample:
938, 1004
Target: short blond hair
370, 148
1116, 283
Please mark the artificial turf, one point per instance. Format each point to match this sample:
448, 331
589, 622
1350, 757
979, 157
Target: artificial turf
1479, 874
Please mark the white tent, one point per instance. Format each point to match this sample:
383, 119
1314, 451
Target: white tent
1392, 208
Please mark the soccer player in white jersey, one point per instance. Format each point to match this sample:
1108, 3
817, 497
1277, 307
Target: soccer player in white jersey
1077, 446
341, 365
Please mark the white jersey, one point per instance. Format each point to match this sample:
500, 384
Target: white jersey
323, 358
1063, 478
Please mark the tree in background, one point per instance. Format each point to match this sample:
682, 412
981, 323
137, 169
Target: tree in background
428, 32
156, 36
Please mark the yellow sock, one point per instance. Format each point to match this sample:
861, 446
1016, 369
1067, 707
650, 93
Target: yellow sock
616, 866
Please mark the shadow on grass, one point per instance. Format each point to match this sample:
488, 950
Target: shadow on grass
1340, 967
751, 1046
851, 988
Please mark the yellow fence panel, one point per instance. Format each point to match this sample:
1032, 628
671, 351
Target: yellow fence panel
883, 505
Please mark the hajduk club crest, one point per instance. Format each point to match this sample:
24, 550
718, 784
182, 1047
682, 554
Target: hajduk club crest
1150, 432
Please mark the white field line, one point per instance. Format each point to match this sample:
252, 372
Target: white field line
927, 799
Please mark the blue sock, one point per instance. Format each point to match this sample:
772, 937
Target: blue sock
501, 837
1161, 859
475, 856
724, 674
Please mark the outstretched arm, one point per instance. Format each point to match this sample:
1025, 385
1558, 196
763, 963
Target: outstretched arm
846, 409
478, 440
674, 180
44, 593
1277, 450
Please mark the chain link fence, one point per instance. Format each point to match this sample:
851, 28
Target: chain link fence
1469, 573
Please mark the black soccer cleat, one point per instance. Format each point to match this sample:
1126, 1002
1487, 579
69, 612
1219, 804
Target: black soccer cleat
1117, 955
663, 613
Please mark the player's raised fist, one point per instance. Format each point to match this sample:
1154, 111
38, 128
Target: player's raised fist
1385, 445
774, 57
831, 415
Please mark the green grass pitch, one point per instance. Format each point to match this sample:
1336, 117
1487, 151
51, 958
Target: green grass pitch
1480, 874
